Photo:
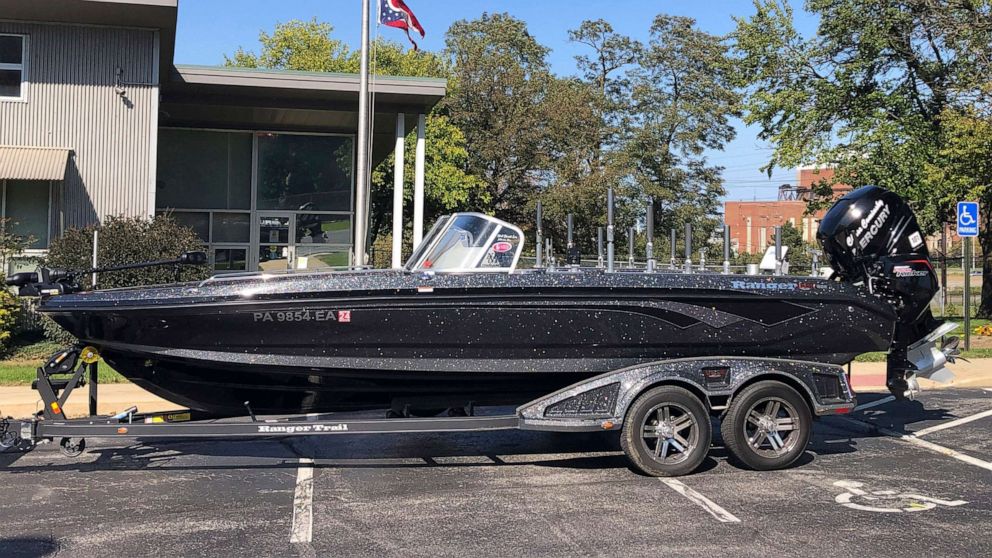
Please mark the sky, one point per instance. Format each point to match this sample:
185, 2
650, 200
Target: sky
209, 29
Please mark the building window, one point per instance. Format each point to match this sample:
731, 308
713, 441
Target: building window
231, 259
301, 172
12, 67
226, 234
260, 200
200, 169
26, 205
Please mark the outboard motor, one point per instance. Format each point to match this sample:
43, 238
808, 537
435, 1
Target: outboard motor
870, 237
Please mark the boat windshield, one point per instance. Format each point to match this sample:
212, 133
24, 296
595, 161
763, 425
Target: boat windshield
468, 242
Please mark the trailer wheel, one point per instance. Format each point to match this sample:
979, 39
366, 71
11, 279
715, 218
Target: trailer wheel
667, 432
72, 447
8, 438
767, 426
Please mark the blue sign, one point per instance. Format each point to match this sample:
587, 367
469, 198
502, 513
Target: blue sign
967, 218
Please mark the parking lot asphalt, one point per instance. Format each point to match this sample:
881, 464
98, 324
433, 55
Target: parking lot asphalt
868, 486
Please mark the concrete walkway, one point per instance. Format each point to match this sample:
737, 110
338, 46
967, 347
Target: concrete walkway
22, 401
976, 373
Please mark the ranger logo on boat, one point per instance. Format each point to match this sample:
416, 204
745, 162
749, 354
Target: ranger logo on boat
764, 285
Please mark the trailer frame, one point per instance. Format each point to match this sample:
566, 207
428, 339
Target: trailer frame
603, 402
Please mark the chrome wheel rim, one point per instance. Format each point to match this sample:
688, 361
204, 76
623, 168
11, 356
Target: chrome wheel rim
772, 427
669, 433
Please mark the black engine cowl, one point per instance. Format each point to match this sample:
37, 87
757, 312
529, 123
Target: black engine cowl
871, 237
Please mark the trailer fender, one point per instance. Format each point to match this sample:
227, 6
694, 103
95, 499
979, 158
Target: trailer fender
601, 403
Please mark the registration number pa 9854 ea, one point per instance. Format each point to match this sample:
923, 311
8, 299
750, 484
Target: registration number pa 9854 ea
297, 316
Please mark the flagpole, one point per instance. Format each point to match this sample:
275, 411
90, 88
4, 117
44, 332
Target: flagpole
361, 172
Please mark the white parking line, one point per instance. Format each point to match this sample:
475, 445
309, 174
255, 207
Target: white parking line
875, 403
303, 503
946, 451
722, 515
868, 427
953, 423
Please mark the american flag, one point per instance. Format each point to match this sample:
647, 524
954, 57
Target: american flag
395, 13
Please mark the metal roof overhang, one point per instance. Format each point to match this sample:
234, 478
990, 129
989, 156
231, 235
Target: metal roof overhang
250, 99
145, 14
33, 163
297, 90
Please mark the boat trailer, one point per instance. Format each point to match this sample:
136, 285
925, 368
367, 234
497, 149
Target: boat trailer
664, 411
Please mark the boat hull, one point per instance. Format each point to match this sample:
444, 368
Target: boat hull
332, 342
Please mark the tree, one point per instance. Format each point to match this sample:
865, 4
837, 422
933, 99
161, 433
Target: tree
605, 70
682, 102
964, 166
310, 46
501, 77
448, 186
579, 168
799, 256
298, 45
128, 240
586, 120
655, 110
12, 245
886, 91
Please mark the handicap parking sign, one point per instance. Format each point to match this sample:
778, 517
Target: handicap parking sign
967, 218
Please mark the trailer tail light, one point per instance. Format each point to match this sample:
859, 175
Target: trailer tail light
55, 408
717, 375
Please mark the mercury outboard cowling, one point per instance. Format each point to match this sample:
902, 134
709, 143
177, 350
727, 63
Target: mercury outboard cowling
871, 237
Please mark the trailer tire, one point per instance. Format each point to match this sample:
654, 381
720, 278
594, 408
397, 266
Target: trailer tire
666, 432
72, 447
756, 420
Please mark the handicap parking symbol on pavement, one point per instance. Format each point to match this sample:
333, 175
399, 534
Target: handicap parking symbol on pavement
887, 501
967, 218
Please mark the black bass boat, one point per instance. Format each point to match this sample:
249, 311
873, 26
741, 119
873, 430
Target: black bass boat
462, 325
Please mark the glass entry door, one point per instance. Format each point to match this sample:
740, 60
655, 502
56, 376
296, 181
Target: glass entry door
274, 238
286, 241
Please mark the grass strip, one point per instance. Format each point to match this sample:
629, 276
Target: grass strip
21, 373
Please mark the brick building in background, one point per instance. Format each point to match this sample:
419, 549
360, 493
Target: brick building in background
752, 223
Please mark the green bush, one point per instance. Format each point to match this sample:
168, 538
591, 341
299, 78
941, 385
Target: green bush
123, 240
54, 332
10, 318
126, 240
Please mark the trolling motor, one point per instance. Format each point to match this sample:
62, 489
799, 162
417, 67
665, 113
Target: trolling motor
870, 237
46, 282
